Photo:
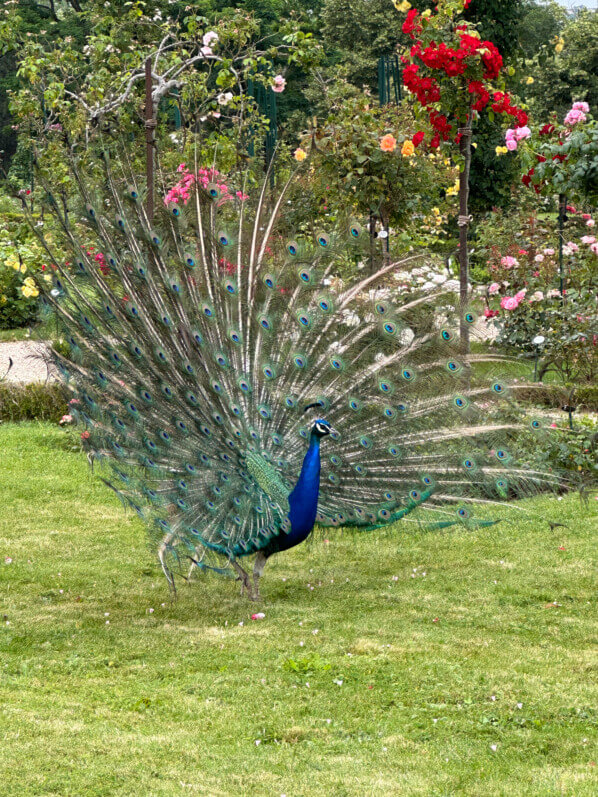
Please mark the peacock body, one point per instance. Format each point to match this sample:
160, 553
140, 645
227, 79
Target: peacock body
240, 388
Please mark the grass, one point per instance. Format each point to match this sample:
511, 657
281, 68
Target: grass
494, 646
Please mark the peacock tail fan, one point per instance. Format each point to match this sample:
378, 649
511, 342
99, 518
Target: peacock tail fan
197, 338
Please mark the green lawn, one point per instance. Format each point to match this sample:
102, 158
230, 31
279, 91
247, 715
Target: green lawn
419, 664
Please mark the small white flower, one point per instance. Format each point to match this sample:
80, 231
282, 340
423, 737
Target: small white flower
493, 747
337, 681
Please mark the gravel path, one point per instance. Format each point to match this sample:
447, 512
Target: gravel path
29, 361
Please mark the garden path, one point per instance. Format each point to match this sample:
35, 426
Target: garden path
30, 361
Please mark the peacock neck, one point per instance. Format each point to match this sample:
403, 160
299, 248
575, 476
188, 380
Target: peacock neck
303, 500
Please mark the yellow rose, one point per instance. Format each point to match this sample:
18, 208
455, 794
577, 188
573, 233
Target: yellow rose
426, 13
529, 80
436, 211
3, 300
403, 7
29, 282
23, 268
300, 154
407, 149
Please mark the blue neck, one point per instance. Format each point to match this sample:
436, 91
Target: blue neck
303, 500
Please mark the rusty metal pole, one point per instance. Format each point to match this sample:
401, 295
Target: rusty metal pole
150, 127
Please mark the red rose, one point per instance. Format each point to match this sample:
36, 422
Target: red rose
418, 138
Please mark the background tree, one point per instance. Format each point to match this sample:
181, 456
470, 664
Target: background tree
566, 69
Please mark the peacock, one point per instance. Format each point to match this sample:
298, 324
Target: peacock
242, 376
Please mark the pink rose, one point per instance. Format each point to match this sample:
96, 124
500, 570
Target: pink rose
509, 303
573, 246
279, 84
494, 288
511, 145
574, 116
590, 223
588, 239
549, 251
594, 248
510, 134
520, 294
581, 106
539, 258
508, 262
522, 132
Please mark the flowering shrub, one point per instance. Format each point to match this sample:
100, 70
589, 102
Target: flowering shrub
563, 157
20, 258
524, 298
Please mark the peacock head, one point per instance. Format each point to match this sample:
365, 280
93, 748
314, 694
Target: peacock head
321, 428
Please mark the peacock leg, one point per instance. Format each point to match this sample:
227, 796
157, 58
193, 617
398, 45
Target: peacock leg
243, 578
258, 569
162, 558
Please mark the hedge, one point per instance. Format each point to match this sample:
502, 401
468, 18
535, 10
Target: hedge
34, 402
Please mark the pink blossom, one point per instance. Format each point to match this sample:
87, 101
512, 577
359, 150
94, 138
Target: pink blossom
522, 132
258, 616
494, 288
590, 223
509, 303
537, 296
206, 51
553, 426
279, 84
65, 419
510, 134
573, 246
511, 145
520, 294
549, 251
594, 248
581, 106
209, 37
488, 313
586, 216
536, 273
539, 258
574, 116
508, 262
522, 252
588, 239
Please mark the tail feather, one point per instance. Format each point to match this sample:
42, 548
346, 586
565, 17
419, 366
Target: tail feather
197, 339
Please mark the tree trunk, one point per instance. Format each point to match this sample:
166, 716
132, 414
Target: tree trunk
150, 127
463, 221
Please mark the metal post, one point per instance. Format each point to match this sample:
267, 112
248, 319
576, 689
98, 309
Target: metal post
562, 212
